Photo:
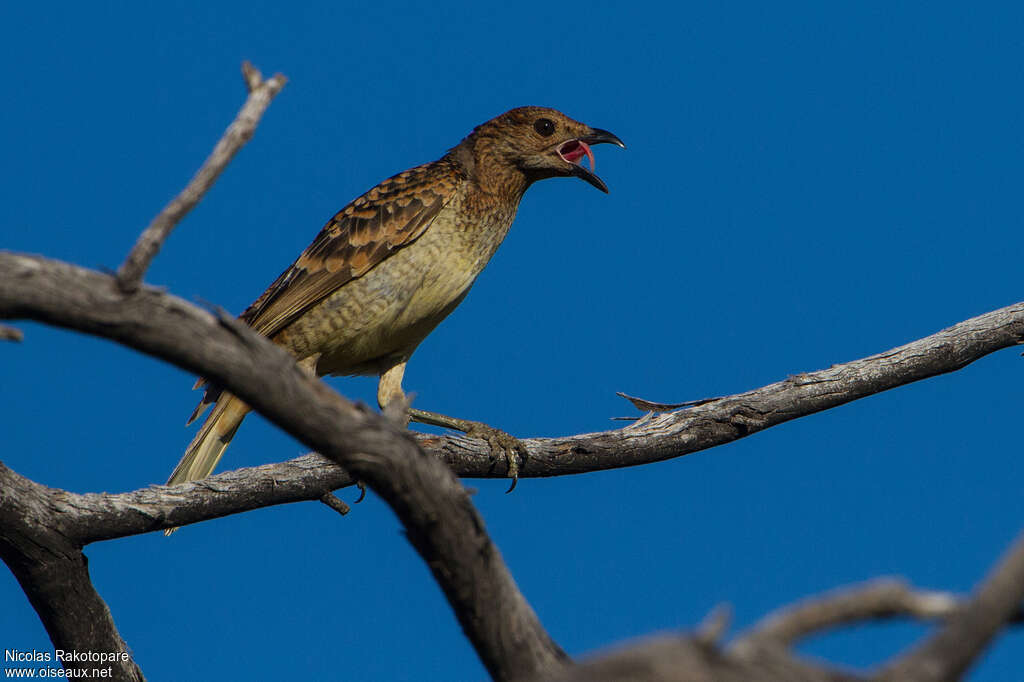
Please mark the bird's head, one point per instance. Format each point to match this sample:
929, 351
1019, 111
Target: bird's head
535, 143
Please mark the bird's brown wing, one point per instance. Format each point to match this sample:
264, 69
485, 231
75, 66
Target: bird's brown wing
363, 234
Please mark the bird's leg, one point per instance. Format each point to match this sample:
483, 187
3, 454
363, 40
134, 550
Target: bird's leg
390, 393
498, 440
308, 364
389, 390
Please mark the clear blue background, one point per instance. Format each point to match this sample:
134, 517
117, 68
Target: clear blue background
805, 184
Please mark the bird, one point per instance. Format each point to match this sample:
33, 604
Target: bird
393, 263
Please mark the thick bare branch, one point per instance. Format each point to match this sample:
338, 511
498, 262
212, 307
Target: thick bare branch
54, 574
241, 130
103, 516
663, 436
763, 649
435, 509
948, 653
166, 327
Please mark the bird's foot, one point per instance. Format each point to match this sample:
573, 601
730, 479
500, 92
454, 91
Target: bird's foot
498, 440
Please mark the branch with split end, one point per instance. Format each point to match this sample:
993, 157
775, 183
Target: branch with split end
261, 92
650, 406
253, 77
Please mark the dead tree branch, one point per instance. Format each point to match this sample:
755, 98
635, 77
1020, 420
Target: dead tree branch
886, 598
663, 436
439, 519
241, 130
685, 658
42, 530
765, 653
948, 653
335, 503
94, 517
654, 438
54, 574
376, 451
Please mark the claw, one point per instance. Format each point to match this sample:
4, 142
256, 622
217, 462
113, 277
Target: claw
513, 455
498, 440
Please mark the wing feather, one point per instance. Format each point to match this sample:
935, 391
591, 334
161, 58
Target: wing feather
362, 235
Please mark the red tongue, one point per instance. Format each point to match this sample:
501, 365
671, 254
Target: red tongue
578, 152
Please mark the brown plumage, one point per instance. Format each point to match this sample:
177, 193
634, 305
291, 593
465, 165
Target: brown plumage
391, 265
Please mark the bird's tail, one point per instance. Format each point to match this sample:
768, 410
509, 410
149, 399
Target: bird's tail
206, 448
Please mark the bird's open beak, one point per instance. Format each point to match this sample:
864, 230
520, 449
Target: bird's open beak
574, 150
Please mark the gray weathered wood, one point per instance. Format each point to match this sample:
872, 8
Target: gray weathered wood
439, 519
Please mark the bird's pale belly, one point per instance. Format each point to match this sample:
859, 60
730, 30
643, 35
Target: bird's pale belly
387, 312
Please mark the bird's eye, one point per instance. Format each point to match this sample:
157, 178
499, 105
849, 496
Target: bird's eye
544, 126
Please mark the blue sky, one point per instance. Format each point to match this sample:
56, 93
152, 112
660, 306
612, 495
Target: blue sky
805, 184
